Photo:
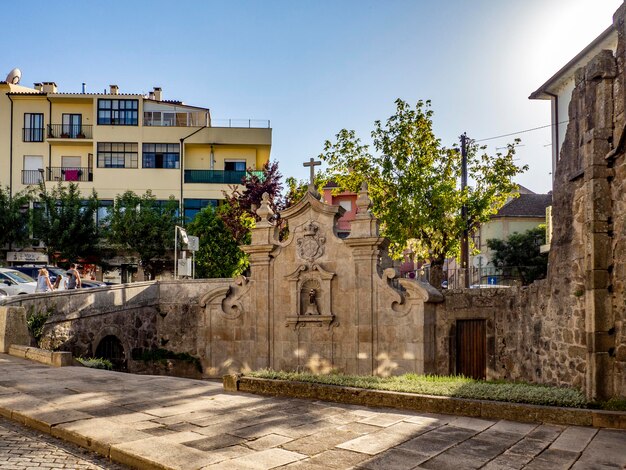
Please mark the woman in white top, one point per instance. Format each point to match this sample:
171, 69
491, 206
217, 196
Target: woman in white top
43, 281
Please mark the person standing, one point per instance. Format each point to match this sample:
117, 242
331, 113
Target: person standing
43, 281
73, 278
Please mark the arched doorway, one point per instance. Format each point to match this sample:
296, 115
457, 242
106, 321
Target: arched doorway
110, 347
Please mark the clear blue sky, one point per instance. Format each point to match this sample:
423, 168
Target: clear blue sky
314, 67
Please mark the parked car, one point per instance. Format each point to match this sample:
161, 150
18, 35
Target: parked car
14, 282
88, 283
33, 271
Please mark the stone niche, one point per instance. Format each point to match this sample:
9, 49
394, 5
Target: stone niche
320, 303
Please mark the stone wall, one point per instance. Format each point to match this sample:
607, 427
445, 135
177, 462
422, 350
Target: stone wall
527, 338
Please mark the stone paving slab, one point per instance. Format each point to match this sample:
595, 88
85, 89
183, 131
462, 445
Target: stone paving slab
168, 423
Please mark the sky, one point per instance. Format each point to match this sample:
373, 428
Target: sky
315, 67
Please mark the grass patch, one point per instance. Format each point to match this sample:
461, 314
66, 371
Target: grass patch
96, 363
446, 386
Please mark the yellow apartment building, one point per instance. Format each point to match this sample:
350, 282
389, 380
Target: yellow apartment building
113, 142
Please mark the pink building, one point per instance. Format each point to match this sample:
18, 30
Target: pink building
345, 199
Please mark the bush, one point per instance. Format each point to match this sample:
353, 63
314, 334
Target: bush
36, 322
96, 363
162, 355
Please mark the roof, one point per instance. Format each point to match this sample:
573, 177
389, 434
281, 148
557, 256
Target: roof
526, 205
606, 40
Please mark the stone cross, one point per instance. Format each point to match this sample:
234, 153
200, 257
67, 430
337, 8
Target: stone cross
312, 163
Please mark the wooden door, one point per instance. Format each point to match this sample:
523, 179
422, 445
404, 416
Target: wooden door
471, 348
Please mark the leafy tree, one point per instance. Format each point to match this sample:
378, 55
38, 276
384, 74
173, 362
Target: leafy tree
219, 254
66, 222
268, 182
414, 181
296, 189
519, 255
239, 212
141, 225
14, 217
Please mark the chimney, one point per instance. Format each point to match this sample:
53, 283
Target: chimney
151, 95
38, 86
157, 93
49, 87
115, 90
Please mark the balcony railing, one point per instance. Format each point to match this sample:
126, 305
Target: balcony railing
32, 176
32, 134
56, 173
247, 123
69, 131
217, 176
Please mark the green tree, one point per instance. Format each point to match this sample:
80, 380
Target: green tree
414, 181
66, 222
219, 254
519, 255
141, 225
14, 217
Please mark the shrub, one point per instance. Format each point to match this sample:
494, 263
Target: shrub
96, 363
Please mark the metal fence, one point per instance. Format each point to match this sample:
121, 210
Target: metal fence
484, 277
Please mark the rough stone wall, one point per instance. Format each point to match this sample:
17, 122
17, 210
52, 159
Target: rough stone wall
618, 197
569, 329
526, 339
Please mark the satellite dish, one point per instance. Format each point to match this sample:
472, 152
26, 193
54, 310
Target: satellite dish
14, 76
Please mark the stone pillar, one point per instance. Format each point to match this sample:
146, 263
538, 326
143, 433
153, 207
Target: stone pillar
366, 248
262, 244
13, 328
597, 127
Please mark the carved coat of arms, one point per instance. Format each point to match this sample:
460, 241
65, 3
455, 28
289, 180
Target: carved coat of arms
311, 244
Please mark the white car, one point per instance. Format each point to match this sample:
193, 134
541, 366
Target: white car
13, 282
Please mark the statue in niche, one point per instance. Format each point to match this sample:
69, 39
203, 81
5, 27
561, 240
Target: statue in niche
311, 308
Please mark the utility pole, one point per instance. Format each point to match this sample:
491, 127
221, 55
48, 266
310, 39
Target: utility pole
465, 238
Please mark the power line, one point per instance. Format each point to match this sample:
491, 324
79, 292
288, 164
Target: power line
521, 132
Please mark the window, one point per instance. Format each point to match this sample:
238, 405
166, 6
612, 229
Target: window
161, 155
33, 127
72, 125
104, 206
347, 205
235, 165
193, 206
117, 155
118, 112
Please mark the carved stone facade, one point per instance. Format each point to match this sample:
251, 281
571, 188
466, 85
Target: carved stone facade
317, 302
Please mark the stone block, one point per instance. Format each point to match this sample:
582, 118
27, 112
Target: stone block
231, 382
602, 65
62, 359
18, 351
13, 328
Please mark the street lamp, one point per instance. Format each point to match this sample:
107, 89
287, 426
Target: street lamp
185, 239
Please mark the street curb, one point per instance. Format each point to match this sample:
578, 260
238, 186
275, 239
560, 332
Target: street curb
427, 403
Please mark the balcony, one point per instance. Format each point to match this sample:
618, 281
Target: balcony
69, 131
56, 173
32, 176
217, 176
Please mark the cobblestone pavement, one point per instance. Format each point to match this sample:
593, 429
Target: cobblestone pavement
23, 448
174, 423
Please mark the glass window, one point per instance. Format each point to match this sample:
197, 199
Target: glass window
161, 156
117, 155
236, 165
104, 206
193, 206
33, 127
118, 112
